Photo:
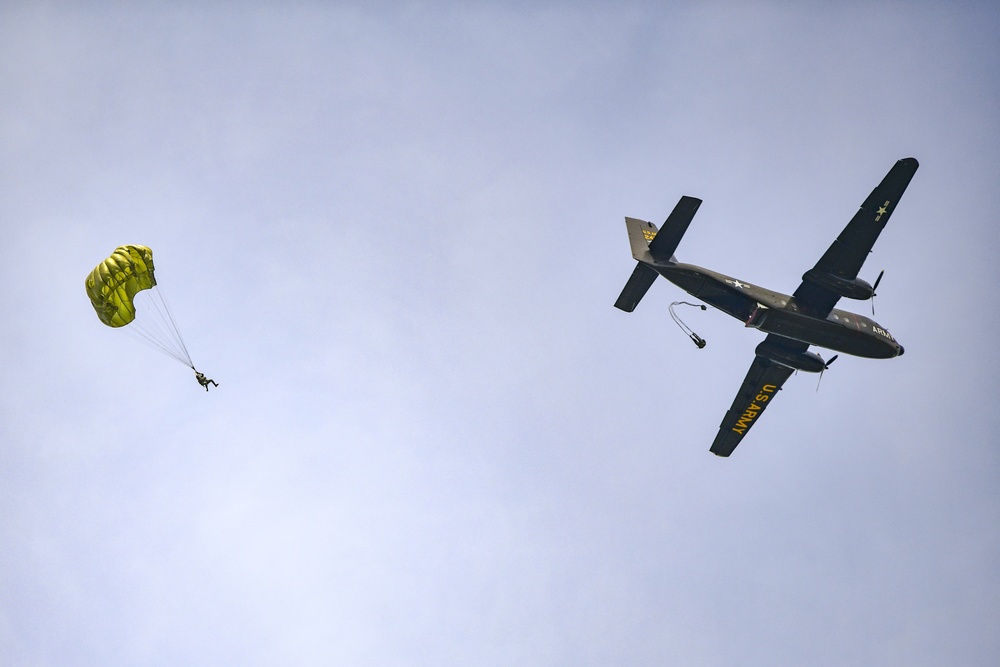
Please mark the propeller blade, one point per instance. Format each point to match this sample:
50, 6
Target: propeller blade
877, 281
875, 287
825, 366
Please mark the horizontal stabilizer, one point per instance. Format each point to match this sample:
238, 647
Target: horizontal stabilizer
636, 287
664, 244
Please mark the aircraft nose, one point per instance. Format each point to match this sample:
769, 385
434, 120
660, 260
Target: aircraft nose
901, 350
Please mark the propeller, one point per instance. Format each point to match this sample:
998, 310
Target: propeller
875, 287
825, 366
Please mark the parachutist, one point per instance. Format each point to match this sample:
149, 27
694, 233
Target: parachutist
204, 381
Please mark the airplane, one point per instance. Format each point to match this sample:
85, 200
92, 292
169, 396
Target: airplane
792, 323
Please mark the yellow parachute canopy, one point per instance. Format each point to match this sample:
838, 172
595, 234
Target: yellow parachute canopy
113, 287
113, 283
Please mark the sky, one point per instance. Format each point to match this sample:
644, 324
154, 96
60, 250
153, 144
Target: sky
393, 233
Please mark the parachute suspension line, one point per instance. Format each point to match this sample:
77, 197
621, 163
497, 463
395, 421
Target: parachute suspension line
698, 340
154, 339
173, 327
155, 326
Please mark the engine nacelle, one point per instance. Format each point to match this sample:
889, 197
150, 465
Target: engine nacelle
850, 289
803, 361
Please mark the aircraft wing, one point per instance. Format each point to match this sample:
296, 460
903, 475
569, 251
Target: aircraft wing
760, 386
844, 258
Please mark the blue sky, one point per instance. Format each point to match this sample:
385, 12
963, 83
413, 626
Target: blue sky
394, 235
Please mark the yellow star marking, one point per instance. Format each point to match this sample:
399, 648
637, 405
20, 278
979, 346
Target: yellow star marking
882, 210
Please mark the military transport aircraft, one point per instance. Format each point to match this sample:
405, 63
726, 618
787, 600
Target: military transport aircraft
792, 323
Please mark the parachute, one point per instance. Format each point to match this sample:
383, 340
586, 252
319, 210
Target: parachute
124, 293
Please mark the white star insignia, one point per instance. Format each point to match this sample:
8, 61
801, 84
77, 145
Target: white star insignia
737, 284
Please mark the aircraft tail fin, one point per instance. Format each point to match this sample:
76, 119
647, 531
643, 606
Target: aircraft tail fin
640, 235
653, 246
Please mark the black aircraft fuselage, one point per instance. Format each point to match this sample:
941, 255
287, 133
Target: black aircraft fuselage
777, 313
